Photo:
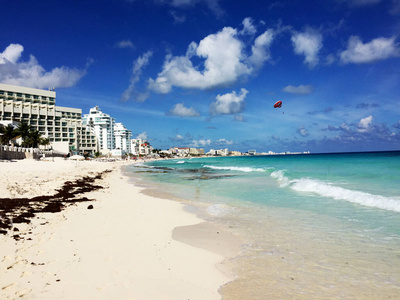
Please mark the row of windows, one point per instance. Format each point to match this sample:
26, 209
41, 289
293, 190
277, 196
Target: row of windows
26, 96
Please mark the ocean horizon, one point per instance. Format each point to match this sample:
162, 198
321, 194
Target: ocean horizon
321, 225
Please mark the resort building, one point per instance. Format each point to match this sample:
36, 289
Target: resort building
140, 147
122, 138
196, 151
36, 107
180, 151
220, 152
101, 125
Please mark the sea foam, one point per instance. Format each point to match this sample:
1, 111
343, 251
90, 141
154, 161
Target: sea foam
239, 169
336, 192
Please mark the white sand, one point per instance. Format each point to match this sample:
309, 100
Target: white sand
121, 249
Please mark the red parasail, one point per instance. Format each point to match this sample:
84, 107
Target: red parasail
278, 104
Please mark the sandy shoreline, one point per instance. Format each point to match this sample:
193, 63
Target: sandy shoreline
127, 247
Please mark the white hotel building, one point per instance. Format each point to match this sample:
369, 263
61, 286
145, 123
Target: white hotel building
122, 138
36, 107
110, 135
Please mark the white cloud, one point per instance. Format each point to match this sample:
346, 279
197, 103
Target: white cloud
125, 44
31, 73
229, 103
364, 124
201, 143
142, 135
223, 62
137, 67
378, 49
181, 111
223, 142
248, 27
179, 137
301, 89
11, 54
260, 49
308, 43
303, 132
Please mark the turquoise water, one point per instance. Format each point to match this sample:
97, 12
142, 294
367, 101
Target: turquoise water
325, 225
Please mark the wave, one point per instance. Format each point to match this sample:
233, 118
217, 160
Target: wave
239, 169
180, 162
336, 192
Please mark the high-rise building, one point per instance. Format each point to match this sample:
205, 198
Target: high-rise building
102, 125
36, 107
122, 138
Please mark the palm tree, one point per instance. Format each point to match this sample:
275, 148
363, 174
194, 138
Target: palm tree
44, 142
8, 134
24, 130
34, 138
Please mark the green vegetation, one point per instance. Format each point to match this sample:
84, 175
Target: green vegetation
30, 137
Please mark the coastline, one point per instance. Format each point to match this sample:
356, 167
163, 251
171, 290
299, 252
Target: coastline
129, 246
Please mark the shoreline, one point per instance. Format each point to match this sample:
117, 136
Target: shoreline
130, 245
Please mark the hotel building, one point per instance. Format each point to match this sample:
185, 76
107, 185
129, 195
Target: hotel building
36, 107
102, 125
122, 137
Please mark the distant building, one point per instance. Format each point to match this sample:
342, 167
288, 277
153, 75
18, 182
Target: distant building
36, 107
196, 151
102, 125
122, 138
235, 153
140, 147
252, 152
180, 151
220, 152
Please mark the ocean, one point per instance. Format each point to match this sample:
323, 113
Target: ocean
313, 226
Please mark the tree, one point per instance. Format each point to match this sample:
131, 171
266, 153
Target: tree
44, 142
34, 138
24, 130
8, 133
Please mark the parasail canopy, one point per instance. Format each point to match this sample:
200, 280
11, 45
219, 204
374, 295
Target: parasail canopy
278, 104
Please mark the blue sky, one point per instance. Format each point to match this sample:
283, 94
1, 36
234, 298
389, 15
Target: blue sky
206, 73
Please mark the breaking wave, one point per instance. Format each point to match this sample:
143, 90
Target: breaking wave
336, 192
238, 169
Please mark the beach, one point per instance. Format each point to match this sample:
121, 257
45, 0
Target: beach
103, 239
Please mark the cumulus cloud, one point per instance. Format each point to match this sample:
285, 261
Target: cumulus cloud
308, 43
248, 27
229, 104
301, 89
365, 124
181, 111
125, 44
303, 132
378, 49
223, 142
31, 74
142, 135
201, 143
223, 61
137, 67
260, 49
